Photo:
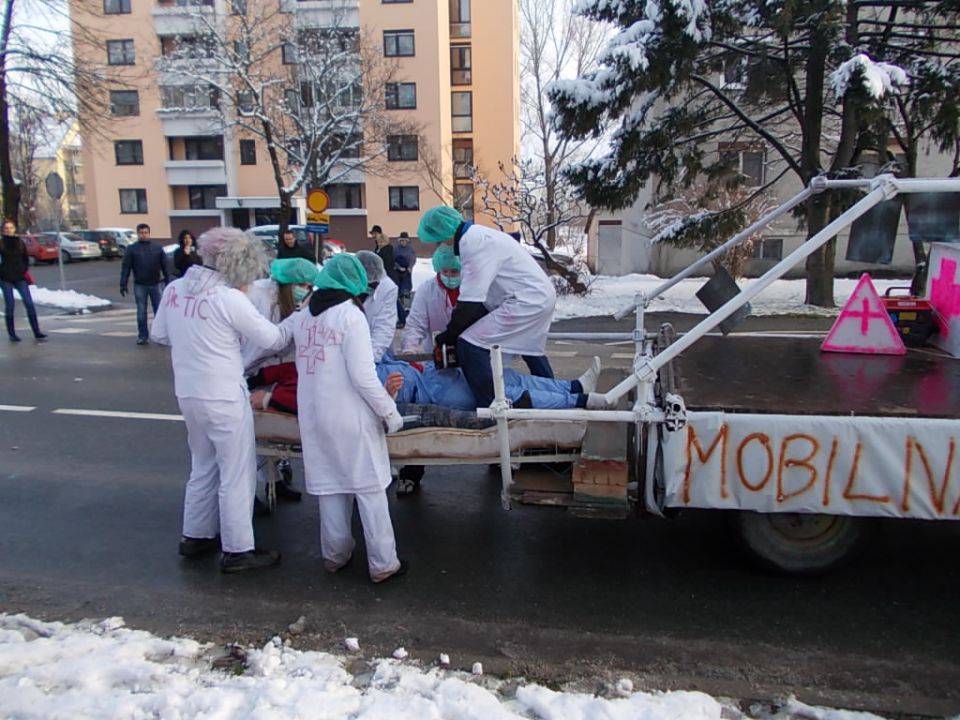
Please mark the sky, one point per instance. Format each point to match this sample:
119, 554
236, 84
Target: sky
102, 669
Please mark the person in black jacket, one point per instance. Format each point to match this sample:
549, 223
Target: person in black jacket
383, 248
148, 264
289, 248
186, 254
13, 276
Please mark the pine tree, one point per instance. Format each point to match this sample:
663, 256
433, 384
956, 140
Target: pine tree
802, 79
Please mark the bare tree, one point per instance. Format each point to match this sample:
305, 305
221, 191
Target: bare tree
27, 134
316, 97
522, 201
554, 43
38, 69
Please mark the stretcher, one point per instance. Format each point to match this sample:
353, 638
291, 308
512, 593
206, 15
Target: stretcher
278, 437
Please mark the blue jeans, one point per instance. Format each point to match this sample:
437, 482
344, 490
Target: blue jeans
141, 293
23, 288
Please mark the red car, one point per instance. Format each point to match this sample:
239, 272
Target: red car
40, 249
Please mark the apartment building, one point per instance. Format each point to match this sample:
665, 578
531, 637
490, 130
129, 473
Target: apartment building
60, 153
163, 156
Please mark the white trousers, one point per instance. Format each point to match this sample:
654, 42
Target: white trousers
223, 472
336, 533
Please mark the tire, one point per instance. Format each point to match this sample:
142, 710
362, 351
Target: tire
66, 257
801, 544
31, 260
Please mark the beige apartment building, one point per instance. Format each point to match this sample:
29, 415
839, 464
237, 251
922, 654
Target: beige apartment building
160, 157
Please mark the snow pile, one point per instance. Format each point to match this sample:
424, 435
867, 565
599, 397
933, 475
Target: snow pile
879, 79
66, 299
102, 669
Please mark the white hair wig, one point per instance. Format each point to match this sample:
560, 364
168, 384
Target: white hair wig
373, 264
239, 256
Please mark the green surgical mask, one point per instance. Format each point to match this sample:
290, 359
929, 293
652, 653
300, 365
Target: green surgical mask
300, 294
451, 282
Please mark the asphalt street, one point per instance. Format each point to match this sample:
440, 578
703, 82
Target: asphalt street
90, 522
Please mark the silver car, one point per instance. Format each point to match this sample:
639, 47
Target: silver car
123, 236
74, 247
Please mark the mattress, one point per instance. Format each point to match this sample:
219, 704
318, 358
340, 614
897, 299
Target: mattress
441, 442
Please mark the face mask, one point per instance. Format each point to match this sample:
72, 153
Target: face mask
300, 294
451, 282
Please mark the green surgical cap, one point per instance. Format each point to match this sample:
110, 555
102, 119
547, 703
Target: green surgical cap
290, 271
445, 259
438, 224
343, 272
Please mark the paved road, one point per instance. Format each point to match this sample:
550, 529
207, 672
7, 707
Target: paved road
90, 519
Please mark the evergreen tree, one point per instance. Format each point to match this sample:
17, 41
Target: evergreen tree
803, 79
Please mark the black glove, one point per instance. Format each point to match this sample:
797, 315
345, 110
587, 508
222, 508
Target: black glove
443, 339
123, 292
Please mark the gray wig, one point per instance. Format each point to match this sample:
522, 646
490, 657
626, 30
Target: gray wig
373, 264
239, 256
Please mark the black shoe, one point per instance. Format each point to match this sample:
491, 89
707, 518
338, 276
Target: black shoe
407, 486
285, 492
250, 560
400, 571
40, 336
14, 338
260, 508
141, 341
195, 547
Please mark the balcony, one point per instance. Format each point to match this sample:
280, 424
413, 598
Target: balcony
183, 17
196, 172
323, 13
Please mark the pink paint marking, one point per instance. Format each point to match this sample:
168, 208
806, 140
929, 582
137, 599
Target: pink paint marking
878, 336
945, 295
864, 315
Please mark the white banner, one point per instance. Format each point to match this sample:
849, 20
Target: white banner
891, 466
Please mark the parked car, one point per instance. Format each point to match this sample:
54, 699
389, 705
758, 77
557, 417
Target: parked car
123, 236
268, 233
40, 249
107, 241
73, 247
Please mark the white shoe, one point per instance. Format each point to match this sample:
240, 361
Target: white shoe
598, 401
588, 381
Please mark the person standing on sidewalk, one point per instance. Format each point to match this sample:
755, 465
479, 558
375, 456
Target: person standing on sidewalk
13, 276
149, 266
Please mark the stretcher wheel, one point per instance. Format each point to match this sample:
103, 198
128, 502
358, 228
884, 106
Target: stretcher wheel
801, 544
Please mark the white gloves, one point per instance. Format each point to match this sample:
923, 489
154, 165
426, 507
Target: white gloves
394, 422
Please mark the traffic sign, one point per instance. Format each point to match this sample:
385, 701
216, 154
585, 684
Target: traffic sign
54, 185
318, 218
864, 325
318, 200
322, 228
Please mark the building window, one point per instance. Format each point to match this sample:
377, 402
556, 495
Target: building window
238, 7
120, 52
462, 159
189, 97
769, 249
404, 197
245, 102
248, 152
459, 18
744, 160
461, 108
124, 103
116, 7
460, 63
463, 199
345, 195
398, 43
241, 49
395, 2
128, 152
133, 200
203, 148
401, 147
204, 197
288, 52
401, 96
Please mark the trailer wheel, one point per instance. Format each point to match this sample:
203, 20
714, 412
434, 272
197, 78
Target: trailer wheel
801, 544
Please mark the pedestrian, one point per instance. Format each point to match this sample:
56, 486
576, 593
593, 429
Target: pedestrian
343, 409
288, 247
149, 266
186, 253
14, 275
379, 304
505, 299
383, 248
405, 260
433, 303
203, 317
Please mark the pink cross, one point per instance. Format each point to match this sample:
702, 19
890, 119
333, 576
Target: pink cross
864, 315
945, 295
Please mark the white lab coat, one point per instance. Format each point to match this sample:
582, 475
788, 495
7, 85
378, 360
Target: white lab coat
263, 295
498, 272
341, 403
429, 314
381, 311
203, 321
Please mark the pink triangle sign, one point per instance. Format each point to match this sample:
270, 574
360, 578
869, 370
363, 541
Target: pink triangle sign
864, 326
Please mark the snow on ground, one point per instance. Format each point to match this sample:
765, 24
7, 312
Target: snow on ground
66, 299
101, 669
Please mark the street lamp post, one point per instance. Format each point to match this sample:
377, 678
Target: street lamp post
54, 185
